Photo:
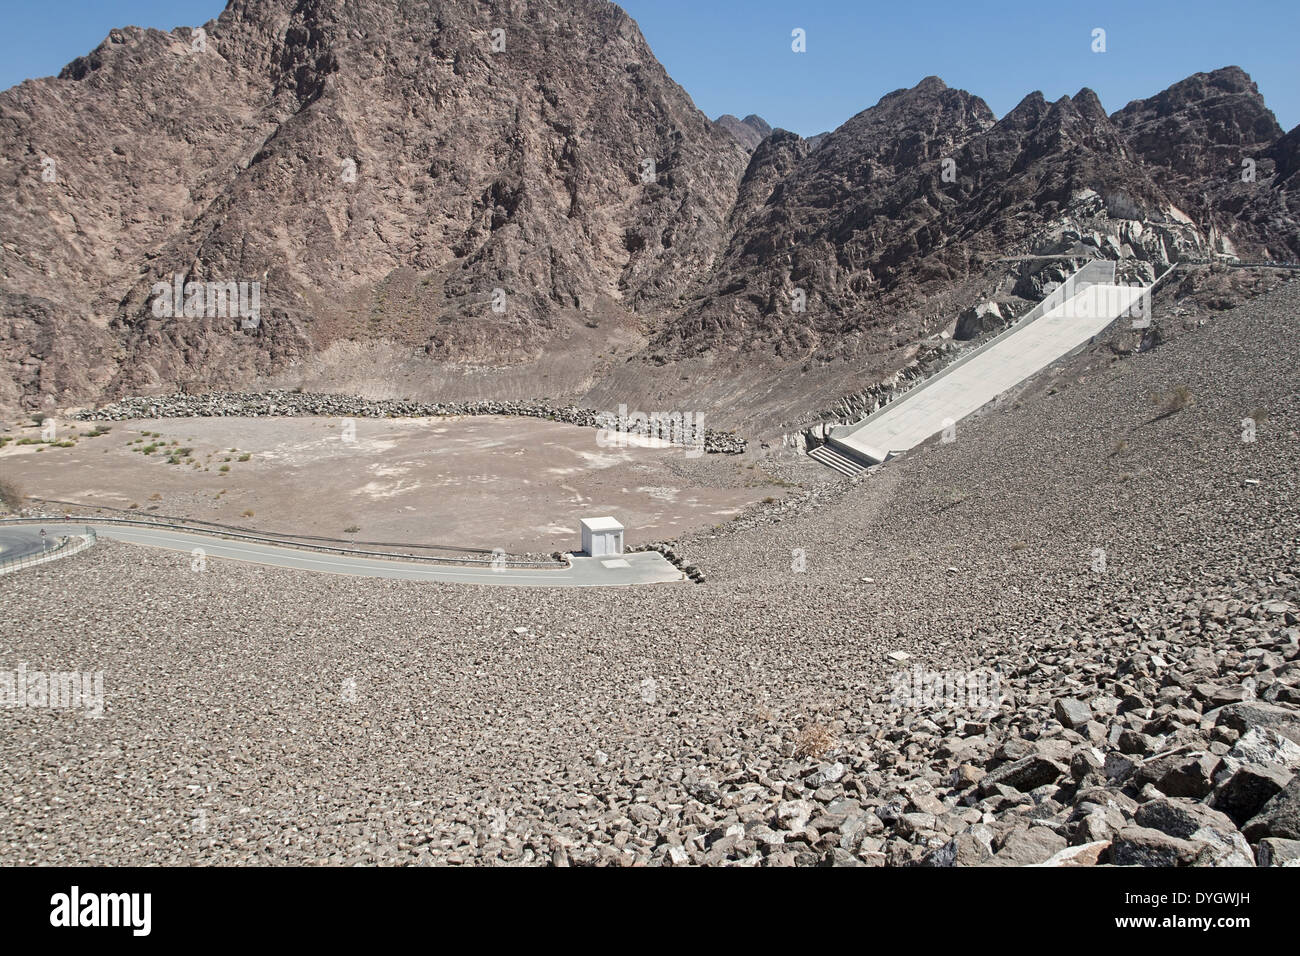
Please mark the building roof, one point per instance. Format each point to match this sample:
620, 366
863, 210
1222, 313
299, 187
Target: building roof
601, 524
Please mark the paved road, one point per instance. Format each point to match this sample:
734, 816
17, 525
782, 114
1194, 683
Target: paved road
647, 567
21, 542
953, 394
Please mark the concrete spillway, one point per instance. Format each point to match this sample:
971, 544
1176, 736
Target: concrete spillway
1077, 310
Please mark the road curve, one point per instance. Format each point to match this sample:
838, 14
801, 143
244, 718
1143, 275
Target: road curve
646, 567
21, 542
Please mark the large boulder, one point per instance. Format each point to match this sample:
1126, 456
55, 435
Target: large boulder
977, 320
1143, 846
1280, 817
1248, 715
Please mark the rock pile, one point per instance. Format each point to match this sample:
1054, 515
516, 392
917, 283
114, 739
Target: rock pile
291, 403
1117, 748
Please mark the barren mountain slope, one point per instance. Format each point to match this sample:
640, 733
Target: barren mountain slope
380, 168
869, 224
910, 212
1220, 150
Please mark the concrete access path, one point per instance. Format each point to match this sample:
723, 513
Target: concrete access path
643, 567
1080, 308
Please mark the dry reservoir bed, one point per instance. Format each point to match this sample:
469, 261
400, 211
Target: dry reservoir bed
518, 484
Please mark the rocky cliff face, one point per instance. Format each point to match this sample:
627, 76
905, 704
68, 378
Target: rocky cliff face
380, 169
922, 192
831, 231
519, 190
1221, 154
1202, 126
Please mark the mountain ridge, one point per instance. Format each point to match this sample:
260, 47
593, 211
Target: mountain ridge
522, 220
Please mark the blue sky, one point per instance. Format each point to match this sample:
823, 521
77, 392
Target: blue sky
734, 56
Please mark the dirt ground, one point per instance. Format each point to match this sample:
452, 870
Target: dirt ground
484, 482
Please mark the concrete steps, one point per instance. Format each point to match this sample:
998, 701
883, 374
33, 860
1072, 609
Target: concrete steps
831, 458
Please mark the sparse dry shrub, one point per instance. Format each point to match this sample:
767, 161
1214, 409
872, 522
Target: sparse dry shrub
813, 740
11, 495
1175, 400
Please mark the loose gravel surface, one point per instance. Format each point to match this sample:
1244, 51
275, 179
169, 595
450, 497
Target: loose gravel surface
1112, 578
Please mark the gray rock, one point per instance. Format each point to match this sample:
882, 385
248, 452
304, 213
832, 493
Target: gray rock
1275, 851
1141, 846
1027, 845
841, 857
1104, 705
1280, 817
826, 773
1119, 767
1025, 774
1265, 747
1072, 713
965, 849
794, 814
1250, 715
978, 319
644, 813
1181, 775
854, 830
764, 835
1085, 761
1181, 818
1244, 791
1099, 825
1220, 848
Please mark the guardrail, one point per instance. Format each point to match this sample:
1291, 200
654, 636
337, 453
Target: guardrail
1264, 263
178, 520
1240, 263
497, 561
63, 550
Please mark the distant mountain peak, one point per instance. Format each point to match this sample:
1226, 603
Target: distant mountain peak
749, 132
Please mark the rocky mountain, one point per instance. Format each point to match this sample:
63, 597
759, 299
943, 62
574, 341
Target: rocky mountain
924, 191
748, 132
380, 169
855, 254
1201, 126
1221, 151
500, 200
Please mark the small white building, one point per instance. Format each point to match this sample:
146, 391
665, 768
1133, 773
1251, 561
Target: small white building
601, 537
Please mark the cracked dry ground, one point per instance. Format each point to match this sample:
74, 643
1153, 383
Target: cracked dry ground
1151, 711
